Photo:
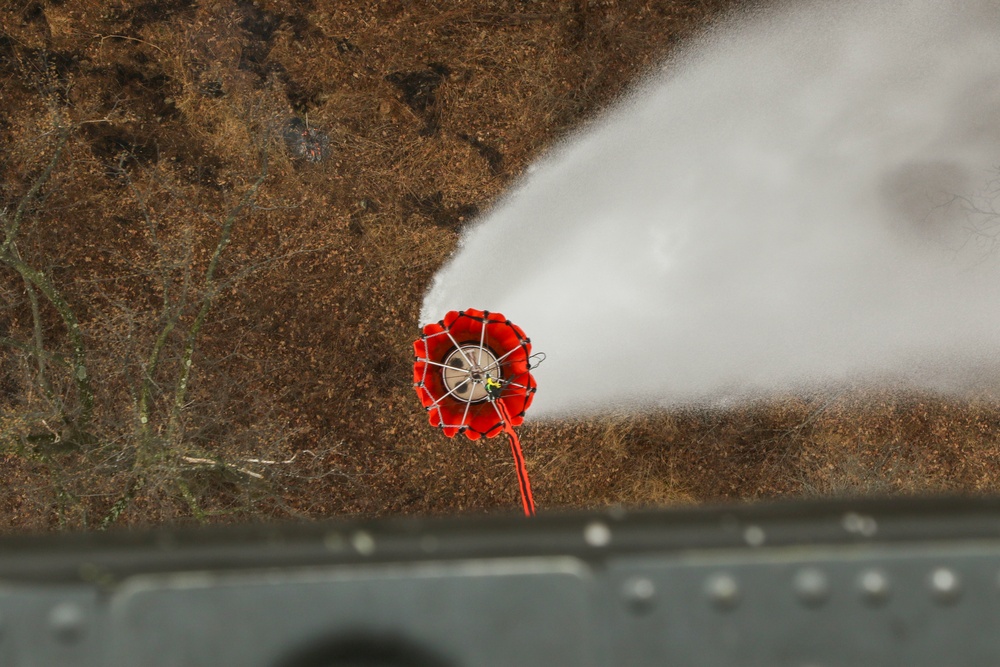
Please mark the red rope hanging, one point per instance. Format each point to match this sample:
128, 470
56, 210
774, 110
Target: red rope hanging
522, 470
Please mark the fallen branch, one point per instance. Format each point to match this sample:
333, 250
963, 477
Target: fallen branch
209, 463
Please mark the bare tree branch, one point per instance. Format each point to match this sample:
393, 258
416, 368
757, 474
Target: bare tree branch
209, 293
79, 354
11, 229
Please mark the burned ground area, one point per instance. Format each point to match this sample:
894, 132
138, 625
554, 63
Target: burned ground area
219, 220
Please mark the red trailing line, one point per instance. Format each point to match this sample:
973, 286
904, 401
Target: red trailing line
522, 470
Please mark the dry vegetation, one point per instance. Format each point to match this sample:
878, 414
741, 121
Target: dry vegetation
198, 324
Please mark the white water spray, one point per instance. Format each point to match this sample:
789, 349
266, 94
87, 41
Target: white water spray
779, 209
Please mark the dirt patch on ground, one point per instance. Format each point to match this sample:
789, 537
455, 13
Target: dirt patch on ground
299, 171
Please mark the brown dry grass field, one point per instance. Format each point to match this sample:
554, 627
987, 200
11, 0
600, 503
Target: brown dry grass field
199, 324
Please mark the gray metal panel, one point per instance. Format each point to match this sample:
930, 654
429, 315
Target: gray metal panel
798, 607
48, 626
799, 585
506, 612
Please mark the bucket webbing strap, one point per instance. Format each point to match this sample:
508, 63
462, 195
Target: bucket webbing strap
522, 471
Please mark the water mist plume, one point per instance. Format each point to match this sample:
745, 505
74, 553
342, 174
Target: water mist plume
800, 199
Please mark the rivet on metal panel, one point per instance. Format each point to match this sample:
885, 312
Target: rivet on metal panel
722, 591
754, 535
597, 534
874, 587
945, 586
66, 621
811, 587
363, 542
859, 524
638, 593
